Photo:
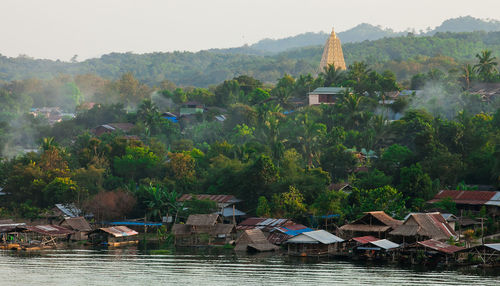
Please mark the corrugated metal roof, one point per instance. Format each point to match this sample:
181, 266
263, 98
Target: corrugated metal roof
469, 197
215, 198
385, 244
440, 246
495, 246
51, 230
119, 231
329, 90
8, 227
69, 210
228, 212
365, 239
316, 236
267, 224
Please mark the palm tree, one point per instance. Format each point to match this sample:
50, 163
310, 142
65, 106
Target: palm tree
149, 114
332, 75
47, 143
310, 134
486, 67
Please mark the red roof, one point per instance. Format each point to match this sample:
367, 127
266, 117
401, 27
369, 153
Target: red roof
440, 246
215, 198
465, 197
365, 239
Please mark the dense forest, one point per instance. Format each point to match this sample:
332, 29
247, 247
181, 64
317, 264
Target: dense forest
278, 156
405, 56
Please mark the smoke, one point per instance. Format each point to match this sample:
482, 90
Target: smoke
163, 103
437, 99
21, 136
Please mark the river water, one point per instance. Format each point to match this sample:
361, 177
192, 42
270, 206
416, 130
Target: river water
131, 266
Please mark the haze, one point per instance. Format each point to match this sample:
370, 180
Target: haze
59, 29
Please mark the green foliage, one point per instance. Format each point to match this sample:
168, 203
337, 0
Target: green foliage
137, 163
446, 204
263, 208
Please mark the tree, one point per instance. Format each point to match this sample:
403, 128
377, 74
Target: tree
333, 76
415, 184
486, 68
290, 204
263, 208
137, 163
60, 190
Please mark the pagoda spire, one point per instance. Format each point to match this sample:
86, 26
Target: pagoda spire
332, 53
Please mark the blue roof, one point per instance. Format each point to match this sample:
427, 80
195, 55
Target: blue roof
297, 231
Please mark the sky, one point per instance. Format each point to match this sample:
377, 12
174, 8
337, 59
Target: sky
60, 29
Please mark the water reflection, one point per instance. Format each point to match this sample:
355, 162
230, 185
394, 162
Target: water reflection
137, 266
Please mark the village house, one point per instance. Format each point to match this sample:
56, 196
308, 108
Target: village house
36, 237
113, 127
375, 223
433, 252
114, 236
486, 254
191, 107
254, 240
203, 229
313, 243
471, 200
9, 234
225, 205
487, 91
376, 249
326, 95
423, 226
79, 225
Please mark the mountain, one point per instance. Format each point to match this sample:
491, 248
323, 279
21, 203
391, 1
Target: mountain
361, 32
467, 24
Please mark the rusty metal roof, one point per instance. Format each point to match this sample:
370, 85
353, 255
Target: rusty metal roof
440, 246
119, 231
215, 198
49, 229
8, 227
469, 197
365, 239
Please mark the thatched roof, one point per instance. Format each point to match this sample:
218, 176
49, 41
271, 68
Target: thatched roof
202, 219
431, 225
221, 228
76, 223
254, 239
181, 229
376, 221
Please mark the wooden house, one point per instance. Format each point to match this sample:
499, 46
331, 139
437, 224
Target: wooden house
36, 237
254, 240
423, 226
203, 229
313, 243
113, 236
79, 225
431, 252
379, 249
376, 223
471, 200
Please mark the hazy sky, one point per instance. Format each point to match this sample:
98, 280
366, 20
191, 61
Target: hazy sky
59, 29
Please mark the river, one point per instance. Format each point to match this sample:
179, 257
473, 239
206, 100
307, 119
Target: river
131, 266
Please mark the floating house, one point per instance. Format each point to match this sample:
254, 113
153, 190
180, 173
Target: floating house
376, 223
487, 254
281, 234
254, 240
36, 237
313, 243
9, 231
79, 225
423, 226
114, 236
431, 252
378, 249
203, 229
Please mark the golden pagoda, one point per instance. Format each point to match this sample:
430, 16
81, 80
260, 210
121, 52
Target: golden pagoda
332, 54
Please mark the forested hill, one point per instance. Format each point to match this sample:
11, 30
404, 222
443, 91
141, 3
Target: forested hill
405, 56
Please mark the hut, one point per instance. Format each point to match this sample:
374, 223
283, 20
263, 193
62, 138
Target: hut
378, 249
423, 226
432, 251
376, 223
183, 234
9, 232
113, 236
79, 225
313, 243
486, 254
35, 237
254, 240
223, 233
281, 234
